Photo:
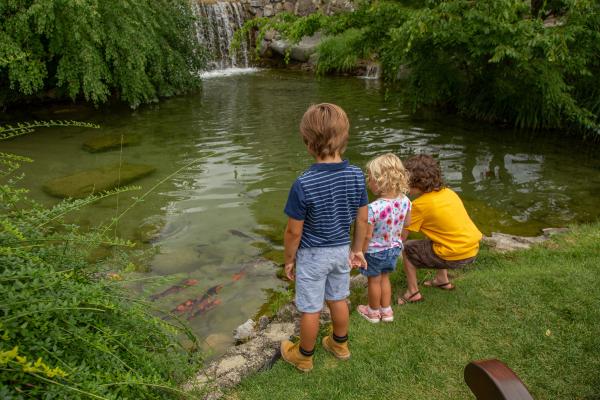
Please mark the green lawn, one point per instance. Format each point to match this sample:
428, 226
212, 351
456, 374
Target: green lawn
538, 311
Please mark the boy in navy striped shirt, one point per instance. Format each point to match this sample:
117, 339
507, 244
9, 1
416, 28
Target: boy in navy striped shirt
322, 205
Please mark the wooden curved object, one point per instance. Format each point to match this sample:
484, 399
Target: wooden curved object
493, 380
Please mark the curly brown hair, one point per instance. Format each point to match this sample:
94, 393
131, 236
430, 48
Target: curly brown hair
425, 173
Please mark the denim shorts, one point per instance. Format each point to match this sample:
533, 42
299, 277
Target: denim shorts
381, 262
322, 273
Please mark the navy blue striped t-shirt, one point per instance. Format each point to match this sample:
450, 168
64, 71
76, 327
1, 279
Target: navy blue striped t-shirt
327, 197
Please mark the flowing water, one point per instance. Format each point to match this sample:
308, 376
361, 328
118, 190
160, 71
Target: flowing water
215, 26
224, 213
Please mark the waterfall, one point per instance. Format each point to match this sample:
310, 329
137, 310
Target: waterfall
215, 26
372, 71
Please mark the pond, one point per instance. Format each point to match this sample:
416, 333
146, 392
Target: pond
217, 220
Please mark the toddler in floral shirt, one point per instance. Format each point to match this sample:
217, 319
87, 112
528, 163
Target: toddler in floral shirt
388, 179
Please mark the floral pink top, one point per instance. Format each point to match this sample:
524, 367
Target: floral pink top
387, 217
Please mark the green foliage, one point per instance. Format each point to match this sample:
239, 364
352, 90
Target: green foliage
67, 330
137, 50
488, 60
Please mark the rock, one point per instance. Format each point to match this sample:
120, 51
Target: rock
244, 332
279, 46
277, 332
298, 52
358, 281
149, 230
288, 6
263, 322
218, 340
307, 46
109, 142
325, 317
84, 183
229, 363
548, 232
256, 3
270, 35
503, 242
268, 10
304, 8
240, 361
288, 313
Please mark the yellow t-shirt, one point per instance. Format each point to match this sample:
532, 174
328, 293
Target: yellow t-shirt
442, 217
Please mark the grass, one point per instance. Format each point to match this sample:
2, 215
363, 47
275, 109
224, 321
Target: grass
537, 310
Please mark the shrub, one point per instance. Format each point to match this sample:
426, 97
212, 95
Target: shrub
488, 60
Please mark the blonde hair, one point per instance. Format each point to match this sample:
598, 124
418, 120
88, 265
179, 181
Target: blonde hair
324, 129
389, 174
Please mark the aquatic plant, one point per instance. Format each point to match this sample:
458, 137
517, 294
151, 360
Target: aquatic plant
68, 327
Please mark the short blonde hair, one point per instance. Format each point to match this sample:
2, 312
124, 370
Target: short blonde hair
324, 129
389, 174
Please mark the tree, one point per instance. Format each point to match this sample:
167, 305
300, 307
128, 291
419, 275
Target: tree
94, 49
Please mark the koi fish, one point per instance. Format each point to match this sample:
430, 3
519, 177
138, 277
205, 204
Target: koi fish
175, 288
190, 304
204, 307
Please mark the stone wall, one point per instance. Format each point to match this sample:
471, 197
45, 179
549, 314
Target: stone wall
268, 8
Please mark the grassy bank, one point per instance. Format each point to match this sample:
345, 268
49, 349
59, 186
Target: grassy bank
537, 310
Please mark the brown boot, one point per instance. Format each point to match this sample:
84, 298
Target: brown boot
290, 352
339, 350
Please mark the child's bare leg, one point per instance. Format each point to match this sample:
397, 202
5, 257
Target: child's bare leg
441, 276
309, 329
411, 275
339, 317
374, 286
386, 290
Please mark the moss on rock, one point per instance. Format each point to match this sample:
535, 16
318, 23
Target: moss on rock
109, 141
84, 183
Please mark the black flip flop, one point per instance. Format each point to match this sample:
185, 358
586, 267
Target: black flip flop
442, 286
408, 300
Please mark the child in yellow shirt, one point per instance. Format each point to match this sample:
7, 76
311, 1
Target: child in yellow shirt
452, 238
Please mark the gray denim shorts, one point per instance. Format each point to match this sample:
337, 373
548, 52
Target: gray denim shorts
322, 273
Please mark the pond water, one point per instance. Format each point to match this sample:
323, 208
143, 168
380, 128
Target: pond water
222, 214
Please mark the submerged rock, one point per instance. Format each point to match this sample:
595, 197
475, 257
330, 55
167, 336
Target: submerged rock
149, 230
109, 141
84, 183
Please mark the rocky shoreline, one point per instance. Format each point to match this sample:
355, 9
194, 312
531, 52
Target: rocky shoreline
257, 347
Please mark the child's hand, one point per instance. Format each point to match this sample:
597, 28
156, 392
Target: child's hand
357, 260
289, 271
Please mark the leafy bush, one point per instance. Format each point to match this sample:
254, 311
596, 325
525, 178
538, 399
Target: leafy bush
488, 60
137, 50
68, 329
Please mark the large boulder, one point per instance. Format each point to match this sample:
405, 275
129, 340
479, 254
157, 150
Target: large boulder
109, 141
91, 181
298, 52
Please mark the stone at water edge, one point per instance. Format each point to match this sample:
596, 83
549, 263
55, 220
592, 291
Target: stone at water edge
109, 141
503, 242
84, 183
245, 332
